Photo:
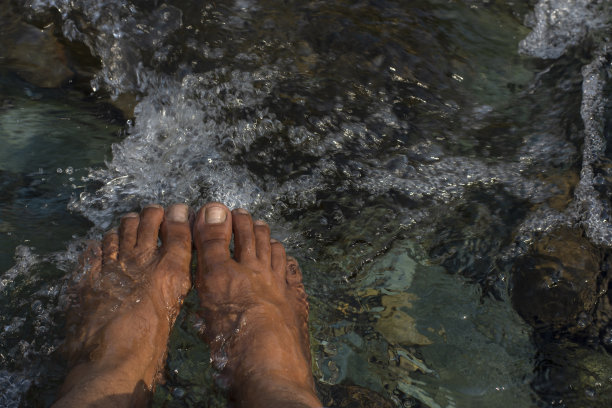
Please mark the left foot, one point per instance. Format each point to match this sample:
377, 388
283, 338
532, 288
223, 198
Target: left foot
127, 299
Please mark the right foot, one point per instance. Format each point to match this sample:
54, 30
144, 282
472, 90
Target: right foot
255, 311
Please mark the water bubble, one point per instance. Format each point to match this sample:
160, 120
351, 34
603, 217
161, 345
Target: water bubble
606, 337
59, 170
37, 307
590, 393
219, 359
178, 392
69, 170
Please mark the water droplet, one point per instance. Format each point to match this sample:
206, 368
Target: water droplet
590, 392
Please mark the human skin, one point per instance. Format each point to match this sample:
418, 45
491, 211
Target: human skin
130, 292
125, 303
255, 309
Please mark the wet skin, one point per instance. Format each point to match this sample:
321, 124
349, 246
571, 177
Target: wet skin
254, 306
255, 310
124, 306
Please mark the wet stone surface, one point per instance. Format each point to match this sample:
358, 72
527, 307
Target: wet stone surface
558, 281
34, 54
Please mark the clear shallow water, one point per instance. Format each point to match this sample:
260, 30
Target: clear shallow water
405, 153
49, 140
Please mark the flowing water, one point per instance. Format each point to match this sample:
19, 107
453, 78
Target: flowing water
407, 153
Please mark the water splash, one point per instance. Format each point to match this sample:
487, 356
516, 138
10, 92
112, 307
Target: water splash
590, 206
180, 149
120, 33
560, 24
29, 334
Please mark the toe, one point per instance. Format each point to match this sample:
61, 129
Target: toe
278, 258
262, 241
110, 247
293, 271
128, 231
148, 227
175, 233
176, 254
212, 234
244, 236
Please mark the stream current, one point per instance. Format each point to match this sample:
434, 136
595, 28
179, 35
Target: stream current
407, 153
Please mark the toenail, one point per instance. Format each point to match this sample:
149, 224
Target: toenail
241, 211
273, 241
215, 215
153, 206
260, 222
178, 213
131, 215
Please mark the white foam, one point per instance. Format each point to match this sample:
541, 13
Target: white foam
560, 24
588, 204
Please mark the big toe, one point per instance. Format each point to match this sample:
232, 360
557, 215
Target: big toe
212, 234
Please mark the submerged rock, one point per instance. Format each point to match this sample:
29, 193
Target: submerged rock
557, 283
35, 55
396, 325
571, 375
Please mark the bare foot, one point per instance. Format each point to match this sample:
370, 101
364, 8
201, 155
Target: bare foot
255, 311
126, 302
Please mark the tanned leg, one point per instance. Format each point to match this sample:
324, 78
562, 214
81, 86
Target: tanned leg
255, 311
124, 306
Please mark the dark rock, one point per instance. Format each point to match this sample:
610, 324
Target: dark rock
557, 284
570, 375
35, 55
